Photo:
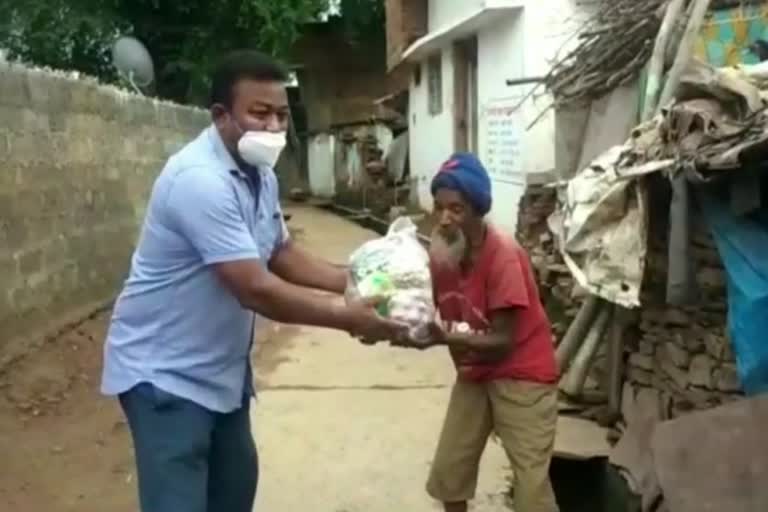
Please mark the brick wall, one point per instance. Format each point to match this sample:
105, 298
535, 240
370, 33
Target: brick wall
77, 161
406, 22
340, 80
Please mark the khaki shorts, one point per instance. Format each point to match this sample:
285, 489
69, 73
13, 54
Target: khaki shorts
524, 417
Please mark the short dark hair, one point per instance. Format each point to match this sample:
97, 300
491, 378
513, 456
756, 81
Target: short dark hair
243, 65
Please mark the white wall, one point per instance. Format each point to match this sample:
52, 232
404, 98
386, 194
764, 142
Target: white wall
501, 55
331, 160
549, 27
520, 44
431, 137
320, 160
348, 157
444, 12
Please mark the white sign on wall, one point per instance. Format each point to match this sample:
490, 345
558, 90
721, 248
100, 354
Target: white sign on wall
502, 123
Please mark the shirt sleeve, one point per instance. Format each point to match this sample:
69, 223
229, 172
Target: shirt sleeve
204, 208
285, 235
506, 286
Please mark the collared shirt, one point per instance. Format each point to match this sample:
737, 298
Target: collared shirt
174, 324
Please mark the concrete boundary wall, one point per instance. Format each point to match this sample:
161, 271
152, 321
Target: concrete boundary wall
77, 161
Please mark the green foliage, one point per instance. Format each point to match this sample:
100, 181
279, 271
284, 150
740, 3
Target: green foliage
183, 37
60, 34
364, 20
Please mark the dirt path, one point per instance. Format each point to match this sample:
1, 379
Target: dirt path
65, 448
340, 427
346, 428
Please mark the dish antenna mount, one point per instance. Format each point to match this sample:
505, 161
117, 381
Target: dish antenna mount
133, 62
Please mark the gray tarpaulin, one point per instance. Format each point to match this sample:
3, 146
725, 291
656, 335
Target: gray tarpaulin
602, 230
709, 461
714, 461
632, 456
717, 122
708, 126
602, 224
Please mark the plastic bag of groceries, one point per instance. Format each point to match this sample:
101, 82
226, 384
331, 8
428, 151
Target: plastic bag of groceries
396, 269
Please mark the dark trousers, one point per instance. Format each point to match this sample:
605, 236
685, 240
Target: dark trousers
188, 458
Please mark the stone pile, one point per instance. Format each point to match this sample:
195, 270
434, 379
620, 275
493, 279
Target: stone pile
556, 286
678, 359
684, 353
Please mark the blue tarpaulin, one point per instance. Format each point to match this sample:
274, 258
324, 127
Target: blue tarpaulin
742, 242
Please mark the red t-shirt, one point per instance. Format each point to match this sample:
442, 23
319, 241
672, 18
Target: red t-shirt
501, 278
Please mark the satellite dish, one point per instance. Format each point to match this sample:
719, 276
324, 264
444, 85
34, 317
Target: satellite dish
133, 62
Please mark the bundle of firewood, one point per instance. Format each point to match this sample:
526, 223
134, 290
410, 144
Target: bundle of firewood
611, 50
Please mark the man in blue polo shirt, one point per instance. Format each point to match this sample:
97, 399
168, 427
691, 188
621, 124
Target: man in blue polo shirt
213, 257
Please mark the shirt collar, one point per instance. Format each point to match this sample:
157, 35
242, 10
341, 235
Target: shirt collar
222, 153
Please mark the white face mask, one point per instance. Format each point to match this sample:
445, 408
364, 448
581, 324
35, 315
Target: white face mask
261, 148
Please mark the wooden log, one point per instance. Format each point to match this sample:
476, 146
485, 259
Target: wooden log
656, 65
699, 11
572, 383
614, 38
615, 377
574, 337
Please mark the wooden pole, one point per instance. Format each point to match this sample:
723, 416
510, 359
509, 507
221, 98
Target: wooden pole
616, 361
699, 11
574, 337
656, 64
573, 382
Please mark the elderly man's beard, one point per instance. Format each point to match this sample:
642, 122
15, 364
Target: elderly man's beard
449, 251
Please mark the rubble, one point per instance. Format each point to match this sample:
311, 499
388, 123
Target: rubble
677, 354
727, 378
643, 362
690, 345
555, 281
681, 356
702, 371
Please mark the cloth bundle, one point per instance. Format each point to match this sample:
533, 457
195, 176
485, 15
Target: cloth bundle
395, 268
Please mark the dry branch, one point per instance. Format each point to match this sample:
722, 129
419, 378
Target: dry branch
611, 50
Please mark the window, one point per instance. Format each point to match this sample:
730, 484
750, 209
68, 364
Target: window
435, 83
417, 75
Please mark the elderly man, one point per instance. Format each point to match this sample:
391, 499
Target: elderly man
213, 250
500, 339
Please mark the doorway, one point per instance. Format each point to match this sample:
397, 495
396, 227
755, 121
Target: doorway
465, 94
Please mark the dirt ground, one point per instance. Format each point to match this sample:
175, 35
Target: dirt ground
66, 448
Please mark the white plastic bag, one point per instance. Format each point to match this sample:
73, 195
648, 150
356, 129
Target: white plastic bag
395, 268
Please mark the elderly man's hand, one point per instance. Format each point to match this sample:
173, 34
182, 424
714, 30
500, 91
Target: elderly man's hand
437, 335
